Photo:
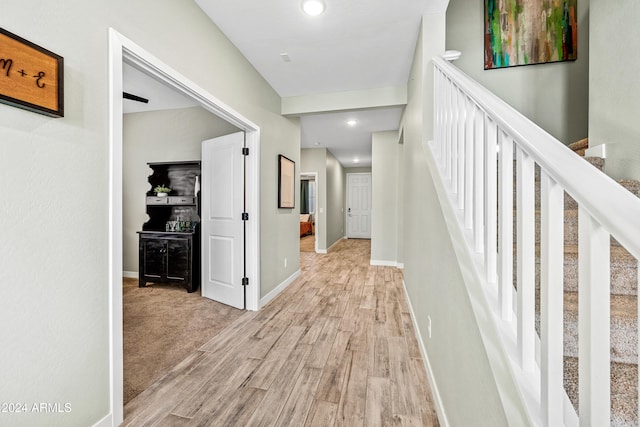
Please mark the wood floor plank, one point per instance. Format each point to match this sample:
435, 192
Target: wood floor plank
333, 374
403, 388
322, 414
352, 406
296, 409
322, 347
281, 388
378, 405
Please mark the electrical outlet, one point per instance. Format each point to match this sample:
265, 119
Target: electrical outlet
285, 262
429, 326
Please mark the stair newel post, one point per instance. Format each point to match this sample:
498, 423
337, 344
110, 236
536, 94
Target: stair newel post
491, 199
505, 227
462, 152
478, 180
526, 259
594, 295
468, 164
551, 298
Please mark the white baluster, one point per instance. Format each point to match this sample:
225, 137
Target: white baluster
468, 164
551, 298
593, 321
462, 153
526, 259
491, 200
454, 138
478, 199
447, 130
505, 229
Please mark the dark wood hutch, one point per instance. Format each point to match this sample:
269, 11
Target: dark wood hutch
169, 243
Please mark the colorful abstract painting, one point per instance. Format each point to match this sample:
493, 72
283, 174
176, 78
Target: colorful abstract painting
522, 32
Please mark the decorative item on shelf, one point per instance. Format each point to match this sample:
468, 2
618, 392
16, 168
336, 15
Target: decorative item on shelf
180, 225
196, 186
161, 191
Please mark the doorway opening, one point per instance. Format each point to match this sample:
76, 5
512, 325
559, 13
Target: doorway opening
122, 50
308, 212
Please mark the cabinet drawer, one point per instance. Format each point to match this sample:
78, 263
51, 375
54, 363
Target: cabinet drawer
158, 200
182, 200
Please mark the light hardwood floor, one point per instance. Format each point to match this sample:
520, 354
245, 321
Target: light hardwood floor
336, 348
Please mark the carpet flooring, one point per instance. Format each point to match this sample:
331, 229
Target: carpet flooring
162, 325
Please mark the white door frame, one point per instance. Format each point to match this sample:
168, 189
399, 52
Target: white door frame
121, 49
315, 215
346, 212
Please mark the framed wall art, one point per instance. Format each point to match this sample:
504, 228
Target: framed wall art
286, 182
31, 77
529, 32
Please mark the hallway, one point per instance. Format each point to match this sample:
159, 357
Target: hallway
336, 348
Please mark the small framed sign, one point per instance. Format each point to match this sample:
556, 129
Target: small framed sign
31, 77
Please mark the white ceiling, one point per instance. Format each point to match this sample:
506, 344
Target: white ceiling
354, 45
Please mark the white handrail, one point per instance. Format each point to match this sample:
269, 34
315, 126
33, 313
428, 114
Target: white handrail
471, 124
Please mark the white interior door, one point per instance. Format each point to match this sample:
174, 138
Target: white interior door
359, 205
222, 227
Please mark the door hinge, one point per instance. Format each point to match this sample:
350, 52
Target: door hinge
245, 281
245, 216
245, 151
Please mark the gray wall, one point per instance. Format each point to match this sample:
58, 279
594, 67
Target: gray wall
555, 96
432, 275
158, 136
384, 200
336, 184
55, 315
614, 86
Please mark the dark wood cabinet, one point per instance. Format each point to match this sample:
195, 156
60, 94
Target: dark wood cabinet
170, 257
170, 254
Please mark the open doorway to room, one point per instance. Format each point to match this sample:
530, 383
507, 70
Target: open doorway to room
308, 207
123, 51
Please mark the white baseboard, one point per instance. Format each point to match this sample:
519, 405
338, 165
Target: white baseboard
107, 421
401, 265
597, 151
383, 263
321, 251
281, 287
437, 400
130, 274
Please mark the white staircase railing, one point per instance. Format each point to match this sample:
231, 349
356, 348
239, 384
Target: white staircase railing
477, 137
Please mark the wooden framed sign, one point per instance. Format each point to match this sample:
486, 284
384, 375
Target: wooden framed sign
31, 77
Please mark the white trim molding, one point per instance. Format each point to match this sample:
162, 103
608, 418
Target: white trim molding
281, 287
437, 400
130, 274
384, 263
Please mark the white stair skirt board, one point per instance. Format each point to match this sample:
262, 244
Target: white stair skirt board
384, 263
437, 400
130, 274
281, 287
597, 151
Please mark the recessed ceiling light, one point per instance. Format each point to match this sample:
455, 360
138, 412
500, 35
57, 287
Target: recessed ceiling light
313, 7
356, 161
352, 122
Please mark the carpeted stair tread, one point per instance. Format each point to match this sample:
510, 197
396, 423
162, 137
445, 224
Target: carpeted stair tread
624, 386
624, 327
579, 145
624, 270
